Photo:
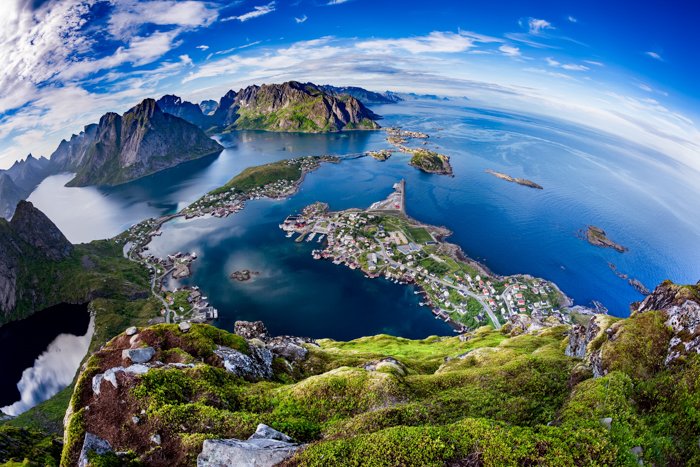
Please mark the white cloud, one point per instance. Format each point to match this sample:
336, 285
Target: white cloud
654, 55
337, 2
594, 63
536, 26
256, 12
510, 50
130, 15
302, 19
566, 66
435, 42
572, 19
202, 47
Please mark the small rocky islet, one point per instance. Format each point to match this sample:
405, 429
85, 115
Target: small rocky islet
243, 275
598, 237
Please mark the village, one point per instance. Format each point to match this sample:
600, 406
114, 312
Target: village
383, 242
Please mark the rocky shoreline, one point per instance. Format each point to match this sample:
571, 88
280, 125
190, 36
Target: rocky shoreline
243, 275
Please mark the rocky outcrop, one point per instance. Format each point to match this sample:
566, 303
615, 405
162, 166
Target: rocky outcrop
250, 329
143, 141
254, 366
92, 445
265, 448
35, 229
666, 295
580, 336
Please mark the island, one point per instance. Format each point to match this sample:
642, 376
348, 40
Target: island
636, 284
430, 161
243, 275
597, 236
381, 155
519, 181
382, 241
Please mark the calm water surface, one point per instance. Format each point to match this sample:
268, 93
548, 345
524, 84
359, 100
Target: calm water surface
640, 198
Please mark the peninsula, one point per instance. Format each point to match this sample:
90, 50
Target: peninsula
519, 181
382, 241
597, 236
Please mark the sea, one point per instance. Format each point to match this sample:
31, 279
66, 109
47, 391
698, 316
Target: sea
641, 198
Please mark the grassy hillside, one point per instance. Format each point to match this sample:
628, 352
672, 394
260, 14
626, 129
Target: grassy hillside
484, 398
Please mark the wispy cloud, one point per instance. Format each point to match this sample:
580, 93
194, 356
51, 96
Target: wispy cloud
302, 19
510, 50
337, 2
435, 42
566, 66
572, 19
537, 26
203, 47
654, 55
256, 12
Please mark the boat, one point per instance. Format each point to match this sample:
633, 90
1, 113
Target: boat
290, 233
320, 238
311, 236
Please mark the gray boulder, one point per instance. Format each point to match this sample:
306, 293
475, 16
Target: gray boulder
256, 366
92, 444
141, 355
265, 448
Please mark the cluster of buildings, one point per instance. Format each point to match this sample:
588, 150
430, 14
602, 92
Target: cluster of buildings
381, 244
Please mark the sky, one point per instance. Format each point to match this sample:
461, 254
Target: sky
630, 69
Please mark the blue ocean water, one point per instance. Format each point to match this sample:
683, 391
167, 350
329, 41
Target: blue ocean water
641, 198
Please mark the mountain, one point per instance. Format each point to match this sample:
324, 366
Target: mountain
18, 182
29, 239
291, 106
174, 105
10, 195
208, 107
607, 391
69, 155
363, 95
28, 173
141, 142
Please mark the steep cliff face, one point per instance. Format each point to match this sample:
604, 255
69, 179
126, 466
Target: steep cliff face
10, 195
226, 112
69, 155
29, 237
141, 142
188, 111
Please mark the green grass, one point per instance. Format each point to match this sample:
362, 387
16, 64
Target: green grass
259, 176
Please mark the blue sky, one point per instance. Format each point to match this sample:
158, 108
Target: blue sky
627, 69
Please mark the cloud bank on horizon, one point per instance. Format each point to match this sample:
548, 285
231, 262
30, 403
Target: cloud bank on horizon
66, 62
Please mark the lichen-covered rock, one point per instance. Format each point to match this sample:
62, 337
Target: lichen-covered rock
140, 355
92, 444
580, 336
251, 453
250, 329
684, 320
256, 366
